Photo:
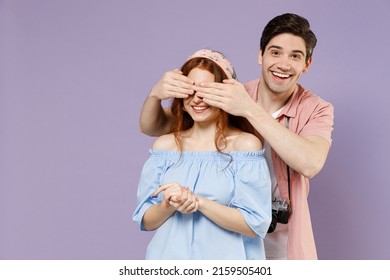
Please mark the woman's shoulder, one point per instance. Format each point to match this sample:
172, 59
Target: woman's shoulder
165, 142
246, 142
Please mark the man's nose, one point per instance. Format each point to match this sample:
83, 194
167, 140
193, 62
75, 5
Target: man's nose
284, 64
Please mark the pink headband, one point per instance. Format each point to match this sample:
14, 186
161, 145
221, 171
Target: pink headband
218, 58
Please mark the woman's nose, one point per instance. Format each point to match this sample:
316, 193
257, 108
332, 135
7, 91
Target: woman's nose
197, 98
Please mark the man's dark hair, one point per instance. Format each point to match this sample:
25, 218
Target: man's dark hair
293, 24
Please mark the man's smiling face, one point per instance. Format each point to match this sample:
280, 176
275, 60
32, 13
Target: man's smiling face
283, 62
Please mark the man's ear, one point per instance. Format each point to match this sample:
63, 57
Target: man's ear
260, 58
308, 63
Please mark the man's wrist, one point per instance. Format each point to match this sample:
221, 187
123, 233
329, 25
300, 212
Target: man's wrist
253, 112
152, 95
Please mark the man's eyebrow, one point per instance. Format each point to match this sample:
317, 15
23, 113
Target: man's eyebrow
279, 48
299, 51
274, 47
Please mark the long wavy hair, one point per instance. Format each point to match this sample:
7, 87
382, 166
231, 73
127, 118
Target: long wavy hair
183, 121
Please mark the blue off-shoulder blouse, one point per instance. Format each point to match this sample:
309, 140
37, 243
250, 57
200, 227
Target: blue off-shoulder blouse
236, 179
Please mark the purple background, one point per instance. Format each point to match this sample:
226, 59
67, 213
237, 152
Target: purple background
74, 75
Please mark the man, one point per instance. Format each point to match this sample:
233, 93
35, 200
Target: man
294, 123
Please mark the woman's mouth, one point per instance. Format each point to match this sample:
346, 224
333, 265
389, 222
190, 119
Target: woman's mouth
199, 109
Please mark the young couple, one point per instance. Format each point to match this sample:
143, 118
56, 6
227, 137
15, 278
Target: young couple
227, 150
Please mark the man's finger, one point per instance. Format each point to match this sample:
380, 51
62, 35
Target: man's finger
212, 85
175, 94
180, 90
230, 81
178, 75
177, 71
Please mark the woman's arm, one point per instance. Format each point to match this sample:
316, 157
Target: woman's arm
227, 217
253, 190
156, 215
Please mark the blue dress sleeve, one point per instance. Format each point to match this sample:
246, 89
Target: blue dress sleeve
252, 195
149, 181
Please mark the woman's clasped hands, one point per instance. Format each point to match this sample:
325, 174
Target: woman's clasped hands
178, 197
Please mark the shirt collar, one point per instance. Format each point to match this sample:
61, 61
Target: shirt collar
291, 107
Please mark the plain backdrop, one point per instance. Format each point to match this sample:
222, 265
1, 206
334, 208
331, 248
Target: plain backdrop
74, 75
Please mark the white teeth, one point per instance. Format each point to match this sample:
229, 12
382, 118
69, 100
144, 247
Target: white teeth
199, 108
281, 75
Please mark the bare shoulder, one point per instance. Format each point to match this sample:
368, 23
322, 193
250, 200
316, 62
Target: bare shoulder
246, 142
165, 142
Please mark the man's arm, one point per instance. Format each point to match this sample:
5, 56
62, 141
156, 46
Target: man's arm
306, 155
154, 119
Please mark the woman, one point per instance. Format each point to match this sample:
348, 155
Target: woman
205, 188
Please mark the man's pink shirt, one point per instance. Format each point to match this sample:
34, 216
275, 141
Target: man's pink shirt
309, 116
